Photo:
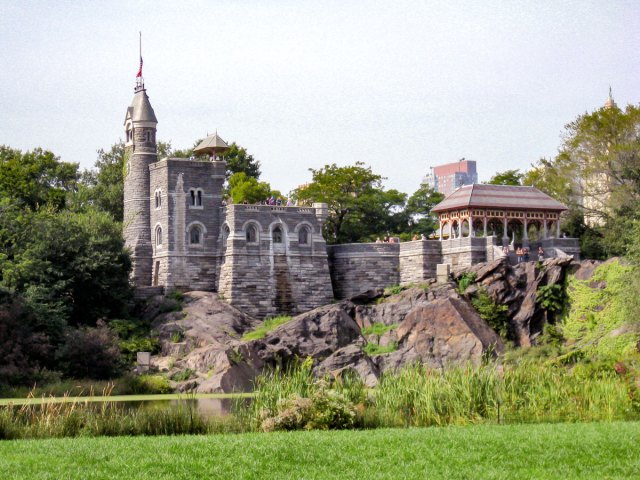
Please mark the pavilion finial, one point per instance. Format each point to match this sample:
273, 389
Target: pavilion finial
610, 103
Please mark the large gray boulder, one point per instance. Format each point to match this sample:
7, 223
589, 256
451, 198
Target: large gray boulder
439, 333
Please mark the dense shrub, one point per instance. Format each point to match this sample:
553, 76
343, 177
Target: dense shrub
325, 409
492, 313
91, 353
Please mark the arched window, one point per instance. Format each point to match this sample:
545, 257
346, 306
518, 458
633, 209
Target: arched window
225, 233
158, 198
195, 197
158, 235
277, 235
303, 236
148, 135
252, 234
195, 236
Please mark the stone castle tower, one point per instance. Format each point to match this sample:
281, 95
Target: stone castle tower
264, 259
140, 152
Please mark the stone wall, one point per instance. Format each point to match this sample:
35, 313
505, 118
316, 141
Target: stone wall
182, 260
464, 252
357, 267
555, 247
266, 277
418, 260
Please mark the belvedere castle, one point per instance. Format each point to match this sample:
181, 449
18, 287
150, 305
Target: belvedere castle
268, 260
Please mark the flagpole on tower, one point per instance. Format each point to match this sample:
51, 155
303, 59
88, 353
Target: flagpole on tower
139, 78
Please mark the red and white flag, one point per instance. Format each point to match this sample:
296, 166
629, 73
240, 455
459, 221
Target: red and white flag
139, 74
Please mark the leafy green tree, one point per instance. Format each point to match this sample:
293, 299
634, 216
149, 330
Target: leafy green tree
602, 150
91, 352
419, 206
244, 188
103, 186
553, 178
508, 177
597, 175
70, 267
359, 208
36, 177
239, 160
24, 350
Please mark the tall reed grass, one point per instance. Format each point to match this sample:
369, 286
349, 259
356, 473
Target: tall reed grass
420, 396
73, 419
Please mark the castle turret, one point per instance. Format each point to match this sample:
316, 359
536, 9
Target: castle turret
140, 151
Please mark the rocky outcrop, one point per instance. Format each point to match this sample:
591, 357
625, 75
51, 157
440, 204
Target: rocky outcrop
445, 331
516, 286
434, 325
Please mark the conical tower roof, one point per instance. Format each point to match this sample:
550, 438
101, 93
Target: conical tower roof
213, 144
142, 111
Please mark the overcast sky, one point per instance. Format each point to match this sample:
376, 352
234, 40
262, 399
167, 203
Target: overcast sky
399, 85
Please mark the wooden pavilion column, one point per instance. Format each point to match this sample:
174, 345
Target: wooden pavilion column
525, 236
471, 232
484, 225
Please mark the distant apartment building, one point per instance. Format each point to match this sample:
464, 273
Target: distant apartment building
449, 177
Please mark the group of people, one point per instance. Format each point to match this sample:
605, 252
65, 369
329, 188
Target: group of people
278, 202
523, 254
275, 201
389, 239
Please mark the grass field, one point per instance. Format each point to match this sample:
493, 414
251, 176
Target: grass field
544, 451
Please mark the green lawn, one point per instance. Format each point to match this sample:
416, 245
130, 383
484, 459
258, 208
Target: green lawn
544, 451
120, 398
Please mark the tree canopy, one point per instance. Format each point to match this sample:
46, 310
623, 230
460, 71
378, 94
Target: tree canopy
597, 175
360, 209
36, 177
508, 177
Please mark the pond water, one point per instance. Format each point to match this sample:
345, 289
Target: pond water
207, 407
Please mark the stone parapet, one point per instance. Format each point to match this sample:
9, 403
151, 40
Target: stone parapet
418, 260
555, 247
464, 252
357, 267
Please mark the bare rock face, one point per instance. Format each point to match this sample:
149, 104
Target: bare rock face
445, 331
350, 359
203, 321
394, 309
317, 334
